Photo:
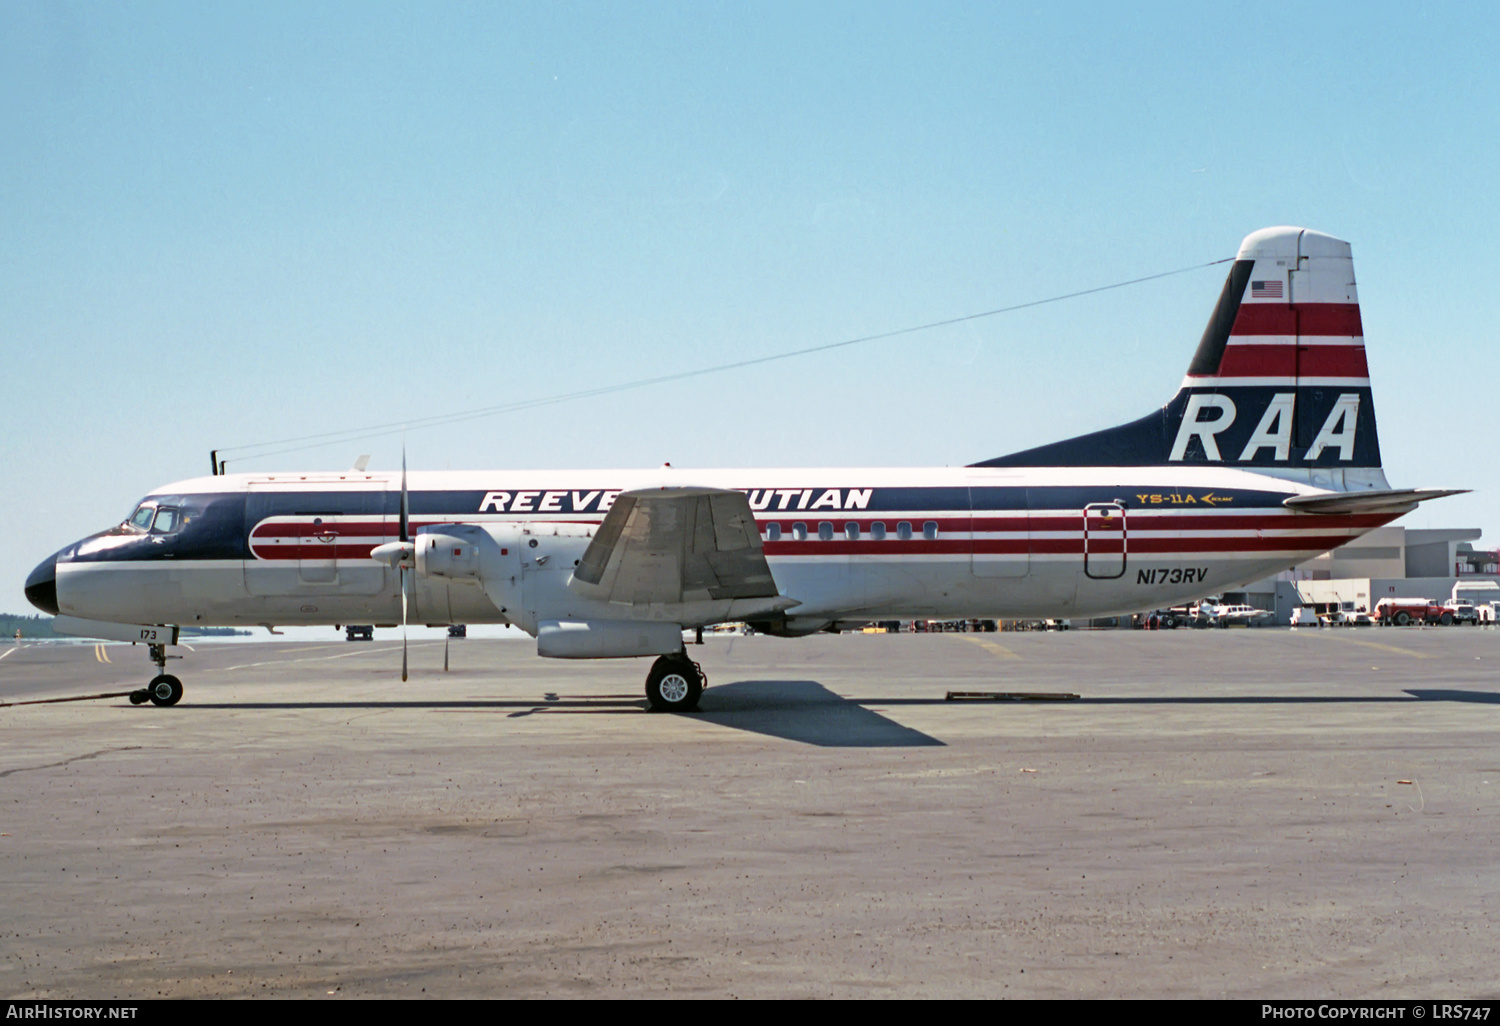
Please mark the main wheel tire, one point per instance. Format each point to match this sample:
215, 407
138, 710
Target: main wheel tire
673, 685
164, 690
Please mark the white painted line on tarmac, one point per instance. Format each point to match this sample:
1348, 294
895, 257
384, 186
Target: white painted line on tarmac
315, 659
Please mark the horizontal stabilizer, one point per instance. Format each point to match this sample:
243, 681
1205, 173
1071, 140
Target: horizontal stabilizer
1385, 500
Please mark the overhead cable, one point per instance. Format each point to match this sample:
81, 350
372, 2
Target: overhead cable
316, 441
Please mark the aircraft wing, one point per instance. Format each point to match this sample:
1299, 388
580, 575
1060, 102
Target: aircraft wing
676, 545
1385, 500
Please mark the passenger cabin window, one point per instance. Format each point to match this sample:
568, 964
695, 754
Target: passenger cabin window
903, 531
799, 531
773, 532
825, 531
929, 530
851, 531
877, 530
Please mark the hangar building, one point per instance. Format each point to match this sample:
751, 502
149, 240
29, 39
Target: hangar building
1389, 562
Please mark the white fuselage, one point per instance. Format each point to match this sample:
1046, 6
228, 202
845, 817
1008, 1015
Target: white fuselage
848, 544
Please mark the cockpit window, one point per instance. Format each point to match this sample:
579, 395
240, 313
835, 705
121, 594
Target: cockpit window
168, 520
141, 518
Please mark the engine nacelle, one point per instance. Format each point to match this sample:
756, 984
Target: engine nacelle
606, 639
522, 568
791, 626
450, 552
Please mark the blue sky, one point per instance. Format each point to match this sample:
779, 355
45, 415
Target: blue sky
222, 224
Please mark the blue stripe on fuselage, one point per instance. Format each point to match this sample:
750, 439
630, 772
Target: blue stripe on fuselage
217, 526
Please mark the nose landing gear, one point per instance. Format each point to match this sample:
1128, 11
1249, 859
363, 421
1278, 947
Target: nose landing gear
164, 688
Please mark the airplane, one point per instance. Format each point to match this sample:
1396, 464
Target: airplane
1266, 456
1221, 615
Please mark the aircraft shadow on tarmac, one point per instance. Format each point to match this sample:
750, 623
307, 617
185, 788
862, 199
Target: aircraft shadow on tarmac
797, 710
1453, 695
806, 711
1407, 696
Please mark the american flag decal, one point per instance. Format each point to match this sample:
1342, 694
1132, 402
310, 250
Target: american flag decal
1265, 290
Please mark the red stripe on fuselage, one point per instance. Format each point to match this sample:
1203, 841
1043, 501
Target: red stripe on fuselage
387, 528
1137, 544
1310, 545
1157, 520
1148, 518
282, 551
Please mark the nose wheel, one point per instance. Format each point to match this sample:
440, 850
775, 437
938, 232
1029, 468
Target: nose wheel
674, 684
164, 688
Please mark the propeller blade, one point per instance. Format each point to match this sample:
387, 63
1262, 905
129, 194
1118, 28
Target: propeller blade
446, 642
407, 549
405, 499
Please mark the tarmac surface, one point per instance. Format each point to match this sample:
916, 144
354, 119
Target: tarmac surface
1240, 813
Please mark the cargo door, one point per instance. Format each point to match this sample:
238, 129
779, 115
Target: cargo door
1105, 540
312, 537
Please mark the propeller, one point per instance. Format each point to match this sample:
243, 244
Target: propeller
401, 555
406, 543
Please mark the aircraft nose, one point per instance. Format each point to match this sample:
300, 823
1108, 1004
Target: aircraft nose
41, 586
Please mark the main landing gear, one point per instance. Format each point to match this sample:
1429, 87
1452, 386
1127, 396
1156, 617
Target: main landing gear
164, 688
674, 684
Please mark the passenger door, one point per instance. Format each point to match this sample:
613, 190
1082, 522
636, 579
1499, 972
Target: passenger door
1105, 540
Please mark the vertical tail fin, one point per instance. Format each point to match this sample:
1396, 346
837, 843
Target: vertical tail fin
1279, 382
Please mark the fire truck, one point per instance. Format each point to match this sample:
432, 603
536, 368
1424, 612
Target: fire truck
1398, 612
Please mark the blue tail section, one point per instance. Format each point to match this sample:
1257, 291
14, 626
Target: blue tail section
1278, 384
